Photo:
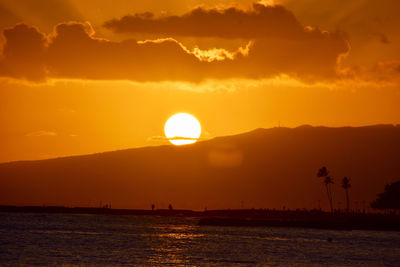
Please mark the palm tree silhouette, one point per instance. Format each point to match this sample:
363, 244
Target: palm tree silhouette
328, 181
346, 185
322, 172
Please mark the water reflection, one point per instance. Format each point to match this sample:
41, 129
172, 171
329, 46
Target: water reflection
26, 239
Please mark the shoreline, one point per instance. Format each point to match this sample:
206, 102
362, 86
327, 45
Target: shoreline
242, 218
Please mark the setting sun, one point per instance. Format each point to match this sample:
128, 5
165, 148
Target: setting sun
182, 129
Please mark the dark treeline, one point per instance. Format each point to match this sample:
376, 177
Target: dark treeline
389, 200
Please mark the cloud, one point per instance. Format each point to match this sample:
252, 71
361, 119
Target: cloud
41, 133
276, 44
23, 53
369, 25
209, 55
280, 44
385, 73
163, 138
259, 22
73, 52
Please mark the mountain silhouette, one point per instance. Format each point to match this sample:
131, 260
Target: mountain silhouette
264, 168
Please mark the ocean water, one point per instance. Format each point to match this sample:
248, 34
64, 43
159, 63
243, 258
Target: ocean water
100, 240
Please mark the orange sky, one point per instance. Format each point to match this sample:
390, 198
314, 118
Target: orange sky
80, 77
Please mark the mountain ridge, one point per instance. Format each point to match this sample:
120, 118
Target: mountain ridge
303, 126
269, 168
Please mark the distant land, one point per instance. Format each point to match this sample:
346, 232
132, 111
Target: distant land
264, 168
250, 217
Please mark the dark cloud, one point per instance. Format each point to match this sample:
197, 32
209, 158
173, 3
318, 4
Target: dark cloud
260, 22
73, 51
366, 22
281, 43
23, 53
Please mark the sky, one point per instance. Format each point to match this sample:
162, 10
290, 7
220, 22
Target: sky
80, 77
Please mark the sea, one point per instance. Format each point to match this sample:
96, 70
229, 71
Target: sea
32, 239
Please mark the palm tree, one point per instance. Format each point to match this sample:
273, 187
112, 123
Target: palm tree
346, 185
328, 181
322, 172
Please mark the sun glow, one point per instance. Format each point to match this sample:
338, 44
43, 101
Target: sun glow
182, 129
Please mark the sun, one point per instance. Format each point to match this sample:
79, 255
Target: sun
182, 129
